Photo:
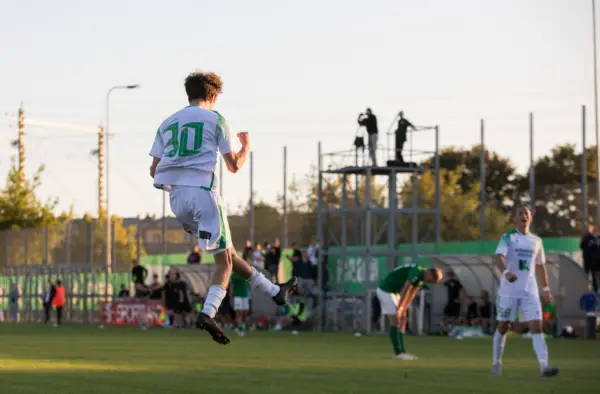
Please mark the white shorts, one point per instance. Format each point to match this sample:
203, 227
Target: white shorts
241, 304
201, 214
529, 308
389, 302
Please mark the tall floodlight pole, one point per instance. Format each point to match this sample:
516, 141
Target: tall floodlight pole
106, 176
531, 172
482, 192
596, 115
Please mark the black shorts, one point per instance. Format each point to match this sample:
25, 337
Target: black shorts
452, 309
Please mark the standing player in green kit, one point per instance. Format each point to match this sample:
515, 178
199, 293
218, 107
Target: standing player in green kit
395, 292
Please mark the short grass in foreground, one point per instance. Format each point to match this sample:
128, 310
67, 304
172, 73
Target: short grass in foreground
42, 360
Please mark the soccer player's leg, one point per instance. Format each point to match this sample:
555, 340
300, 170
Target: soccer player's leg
531, 309
256, 280
507, 308
214, 236
389, 305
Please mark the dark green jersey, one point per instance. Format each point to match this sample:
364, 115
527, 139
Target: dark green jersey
240, 286
395, 280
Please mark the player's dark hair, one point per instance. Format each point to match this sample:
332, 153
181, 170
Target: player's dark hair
203, 86
435, 273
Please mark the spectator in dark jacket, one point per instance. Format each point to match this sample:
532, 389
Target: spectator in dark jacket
590, 248
49, 294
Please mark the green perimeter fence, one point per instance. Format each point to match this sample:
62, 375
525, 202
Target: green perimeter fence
87, 286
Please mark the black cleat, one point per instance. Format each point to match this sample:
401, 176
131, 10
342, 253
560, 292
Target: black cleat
284, 290
549, 372
209, 324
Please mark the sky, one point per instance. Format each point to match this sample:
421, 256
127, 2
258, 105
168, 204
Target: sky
295, 73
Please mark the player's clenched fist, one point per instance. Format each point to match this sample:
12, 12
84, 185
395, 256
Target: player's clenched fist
244, 138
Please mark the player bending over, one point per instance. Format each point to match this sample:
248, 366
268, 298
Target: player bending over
517, 253
406, 279
185, 152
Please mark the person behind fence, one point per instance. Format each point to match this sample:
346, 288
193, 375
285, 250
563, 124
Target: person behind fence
13, 303
486, 308
169, 297
247, 252
294, 314
138, 275
258, 259
369, 121
155, 288
401, 132
272, 262
59, 302
590, 248
124, 292
49, 295
456, 292
183, 306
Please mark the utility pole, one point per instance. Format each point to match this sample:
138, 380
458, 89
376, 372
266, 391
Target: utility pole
21, 142
100, 170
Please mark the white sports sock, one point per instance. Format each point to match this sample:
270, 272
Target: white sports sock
258, 281
213, 300
541, 349
499, 342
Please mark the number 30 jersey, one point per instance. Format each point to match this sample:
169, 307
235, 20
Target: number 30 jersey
188, 144
522, 252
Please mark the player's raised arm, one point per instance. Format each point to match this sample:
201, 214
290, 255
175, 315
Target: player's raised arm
233, 160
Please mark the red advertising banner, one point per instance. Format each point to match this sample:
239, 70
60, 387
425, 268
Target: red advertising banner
132, 312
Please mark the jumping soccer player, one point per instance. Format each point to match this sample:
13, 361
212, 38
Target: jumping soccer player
406, 280
185, 152
517, 253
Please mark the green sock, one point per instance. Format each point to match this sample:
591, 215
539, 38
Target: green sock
394, 336
401, 341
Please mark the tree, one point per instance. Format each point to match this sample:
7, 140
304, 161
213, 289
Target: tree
460, 216
558, 191
20, 207
501, 178
25, 220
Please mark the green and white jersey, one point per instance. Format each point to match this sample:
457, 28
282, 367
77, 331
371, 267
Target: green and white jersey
395, 280
521, 253
188, 144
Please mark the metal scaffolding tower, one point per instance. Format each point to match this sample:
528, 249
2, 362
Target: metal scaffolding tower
371, 219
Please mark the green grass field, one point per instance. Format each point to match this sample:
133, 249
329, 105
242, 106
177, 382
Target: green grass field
43, 360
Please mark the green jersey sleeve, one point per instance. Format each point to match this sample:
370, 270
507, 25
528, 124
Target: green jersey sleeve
415, 276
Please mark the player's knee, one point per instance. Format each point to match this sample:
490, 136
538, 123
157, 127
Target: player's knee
536, 327
502, 327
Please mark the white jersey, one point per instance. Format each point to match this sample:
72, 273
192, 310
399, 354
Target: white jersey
521, 253
188, 144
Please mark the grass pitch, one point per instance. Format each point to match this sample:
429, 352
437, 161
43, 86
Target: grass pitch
85, 360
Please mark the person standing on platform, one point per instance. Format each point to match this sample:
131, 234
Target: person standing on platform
401, 132
370, 122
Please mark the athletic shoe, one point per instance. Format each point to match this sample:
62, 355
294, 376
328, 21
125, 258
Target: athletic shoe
209, 324
549, 372
284, 290
405, 357
497, 369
